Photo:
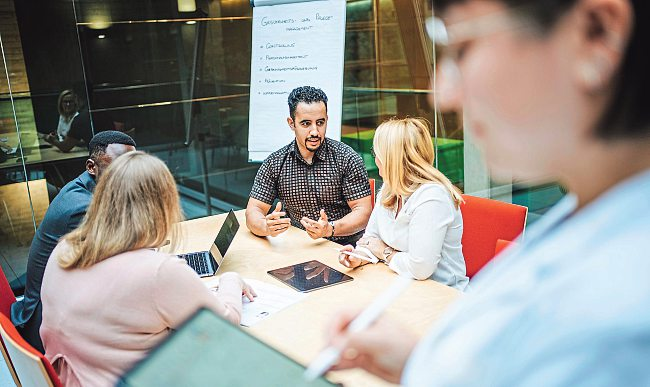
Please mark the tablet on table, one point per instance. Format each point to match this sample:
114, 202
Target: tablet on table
310, 275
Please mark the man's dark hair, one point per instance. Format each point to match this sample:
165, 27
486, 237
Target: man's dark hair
627, 115
305, 94
101, 140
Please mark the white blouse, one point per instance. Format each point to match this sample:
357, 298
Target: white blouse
64, 126
427, 233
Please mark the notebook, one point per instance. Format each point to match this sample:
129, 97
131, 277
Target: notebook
208, 350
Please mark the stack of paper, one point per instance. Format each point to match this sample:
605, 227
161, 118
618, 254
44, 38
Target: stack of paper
270, 299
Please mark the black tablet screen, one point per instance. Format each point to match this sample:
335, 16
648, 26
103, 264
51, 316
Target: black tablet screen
308, 276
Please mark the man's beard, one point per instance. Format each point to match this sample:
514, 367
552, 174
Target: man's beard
309, 146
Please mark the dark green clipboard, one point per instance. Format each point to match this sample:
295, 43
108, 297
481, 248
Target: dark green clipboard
207, 350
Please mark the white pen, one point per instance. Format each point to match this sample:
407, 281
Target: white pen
330, 355
355, 255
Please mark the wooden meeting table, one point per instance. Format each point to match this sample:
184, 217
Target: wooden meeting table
299, 330
44, 153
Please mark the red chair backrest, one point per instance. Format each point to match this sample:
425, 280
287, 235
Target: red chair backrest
501, 245
26, 360
484, 222
372, 191
6, 295
6, 299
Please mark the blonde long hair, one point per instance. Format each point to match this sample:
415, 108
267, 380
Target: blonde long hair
404, 148
135, 206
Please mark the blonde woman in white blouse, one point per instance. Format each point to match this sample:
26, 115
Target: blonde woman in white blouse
416, 226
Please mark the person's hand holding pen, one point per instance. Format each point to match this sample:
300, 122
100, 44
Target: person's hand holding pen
348, 260
374, 244
381, 349
357, 340
275, 221
354, 257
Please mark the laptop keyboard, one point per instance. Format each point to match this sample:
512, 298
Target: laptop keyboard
197, 261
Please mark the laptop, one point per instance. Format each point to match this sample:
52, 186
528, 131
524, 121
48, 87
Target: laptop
207, 350
207, 263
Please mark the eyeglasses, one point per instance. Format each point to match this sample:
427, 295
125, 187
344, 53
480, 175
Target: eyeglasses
449, 42
446, 39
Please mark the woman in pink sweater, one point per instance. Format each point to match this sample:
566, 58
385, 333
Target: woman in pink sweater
108, 296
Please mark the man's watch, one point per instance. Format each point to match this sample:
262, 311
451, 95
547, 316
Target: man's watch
331, 222
387, 252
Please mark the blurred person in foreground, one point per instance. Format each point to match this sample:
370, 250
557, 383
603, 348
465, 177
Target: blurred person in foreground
108, 296
551, 90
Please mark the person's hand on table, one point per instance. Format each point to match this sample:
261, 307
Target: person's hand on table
315, 269
246, 290
382, 349
374, 244
317, 228
347, 260
275, 221
50, 138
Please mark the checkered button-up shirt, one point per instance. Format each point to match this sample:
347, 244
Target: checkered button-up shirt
336, 176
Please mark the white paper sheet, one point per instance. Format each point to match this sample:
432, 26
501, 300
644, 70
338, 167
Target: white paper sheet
270, 299
294, 44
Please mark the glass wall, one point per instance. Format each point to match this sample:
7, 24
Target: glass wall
31, 172
174, 74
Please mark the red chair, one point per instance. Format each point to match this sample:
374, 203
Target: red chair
31, 367
372, 191
6, 295
484, 222
501, 245
6, 299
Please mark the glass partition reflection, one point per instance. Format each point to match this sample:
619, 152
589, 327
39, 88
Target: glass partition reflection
16, 213
178, 83
41, 62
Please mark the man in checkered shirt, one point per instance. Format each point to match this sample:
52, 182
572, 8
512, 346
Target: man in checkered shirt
322, 183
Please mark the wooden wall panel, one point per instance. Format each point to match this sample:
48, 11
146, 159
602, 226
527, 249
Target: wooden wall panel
13, 51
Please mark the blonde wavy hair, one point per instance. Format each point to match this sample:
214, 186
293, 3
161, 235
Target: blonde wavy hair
135, 206
404, 148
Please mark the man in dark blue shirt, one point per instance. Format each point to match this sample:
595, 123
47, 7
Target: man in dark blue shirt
64, 215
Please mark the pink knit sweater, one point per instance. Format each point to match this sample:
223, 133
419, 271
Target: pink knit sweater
99, 321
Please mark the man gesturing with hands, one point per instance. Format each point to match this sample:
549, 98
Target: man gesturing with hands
275, 223
322, 183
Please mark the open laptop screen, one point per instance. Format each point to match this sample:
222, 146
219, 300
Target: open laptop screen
208, 350
227, 233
